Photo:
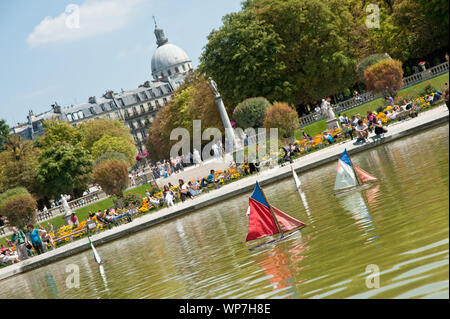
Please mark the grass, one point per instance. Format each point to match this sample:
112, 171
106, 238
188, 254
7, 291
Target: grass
414, 91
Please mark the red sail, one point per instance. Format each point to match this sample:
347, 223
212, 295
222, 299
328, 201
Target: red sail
363, 175
286, 222
260, 221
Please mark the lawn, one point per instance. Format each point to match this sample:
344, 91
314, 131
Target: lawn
412, 91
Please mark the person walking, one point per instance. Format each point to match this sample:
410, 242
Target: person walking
36, 240
20, 241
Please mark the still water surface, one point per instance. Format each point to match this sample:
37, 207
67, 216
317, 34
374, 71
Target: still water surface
400, 224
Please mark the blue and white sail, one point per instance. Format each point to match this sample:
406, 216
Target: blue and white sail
345, 177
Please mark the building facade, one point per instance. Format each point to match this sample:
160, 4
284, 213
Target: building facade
136, 108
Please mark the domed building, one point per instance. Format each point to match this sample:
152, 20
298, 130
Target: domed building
170, 63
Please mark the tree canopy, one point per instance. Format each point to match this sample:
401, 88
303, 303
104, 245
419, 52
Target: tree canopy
193, 100
64, 169
109, 144
94, 130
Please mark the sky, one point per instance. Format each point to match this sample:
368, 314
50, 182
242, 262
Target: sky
66, 51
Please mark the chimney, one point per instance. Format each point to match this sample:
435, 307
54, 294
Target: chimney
92, 100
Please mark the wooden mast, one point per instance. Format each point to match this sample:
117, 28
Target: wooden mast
273, 214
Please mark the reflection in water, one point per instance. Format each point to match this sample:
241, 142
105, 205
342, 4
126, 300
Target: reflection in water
103, 275
356, 205
52, 285
204, 254
281, 265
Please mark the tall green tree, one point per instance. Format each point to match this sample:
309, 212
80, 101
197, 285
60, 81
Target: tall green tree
317, 40
93, 131
64, 169
58, 132
243, 57
4, 132
109, 144
193, 100
19, 165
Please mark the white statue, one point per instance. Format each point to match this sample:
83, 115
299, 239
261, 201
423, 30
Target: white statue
196, 157
213, 86
327, 110
65, 205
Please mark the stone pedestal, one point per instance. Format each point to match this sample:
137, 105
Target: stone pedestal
66, 218
333, 124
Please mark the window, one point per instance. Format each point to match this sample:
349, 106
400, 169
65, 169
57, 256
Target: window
69, 116
177, 70
102, 106
108, 116
160, 91
121, 102
184, 68
157, 103
134, 110
169, 72
112, 105
91, 109
80, 115
165, 101
144, 96
117, 115
75, 116
137, 98
142, 109
162, 75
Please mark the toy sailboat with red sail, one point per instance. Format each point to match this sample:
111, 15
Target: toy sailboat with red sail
266, 220
349, 176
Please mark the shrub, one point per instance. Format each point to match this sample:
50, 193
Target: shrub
19, 207
132, 199
384, 77
112, 176
251, 112
369, 61
282, 116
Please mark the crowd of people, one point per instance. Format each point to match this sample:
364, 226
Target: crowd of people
19, 246
166, 168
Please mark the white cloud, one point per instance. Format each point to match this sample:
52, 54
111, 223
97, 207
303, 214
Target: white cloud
93, 17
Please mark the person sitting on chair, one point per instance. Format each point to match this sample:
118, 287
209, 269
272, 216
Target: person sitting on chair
210, 179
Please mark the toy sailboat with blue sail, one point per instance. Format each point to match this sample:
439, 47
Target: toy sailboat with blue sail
349, 176
266, 220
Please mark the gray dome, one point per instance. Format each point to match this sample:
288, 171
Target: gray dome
168, 55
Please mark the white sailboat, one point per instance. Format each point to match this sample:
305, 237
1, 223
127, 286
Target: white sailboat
349, 176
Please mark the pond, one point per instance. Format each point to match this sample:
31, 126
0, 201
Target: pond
400, 226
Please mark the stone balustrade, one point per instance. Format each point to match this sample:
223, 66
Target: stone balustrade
368, 96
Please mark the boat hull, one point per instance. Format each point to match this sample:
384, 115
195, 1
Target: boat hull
276, 240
